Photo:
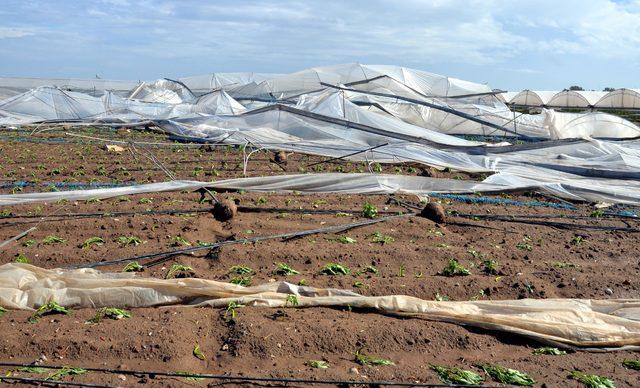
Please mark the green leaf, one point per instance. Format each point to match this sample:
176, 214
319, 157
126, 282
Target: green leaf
319, 364
335, 269
48, 309
549, 351
453, 375
134, 266
631, 364
507, 375
66, 371
190, 376
198, 352
92, 241
33, 369
369, 211
592, 381
454, 268
365, 360
53, 240
284, 269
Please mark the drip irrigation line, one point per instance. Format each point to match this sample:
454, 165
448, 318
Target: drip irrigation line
18, 237
52, 383
559, 225
346, 156
544, 216
243, 209
290, 235
242, 378
501, 201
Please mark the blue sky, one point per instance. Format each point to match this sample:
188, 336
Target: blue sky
508, 44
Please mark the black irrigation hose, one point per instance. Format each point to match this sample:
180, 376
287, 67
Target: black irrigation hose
244, 209
286, 236
52, 383
555, 224
239, 378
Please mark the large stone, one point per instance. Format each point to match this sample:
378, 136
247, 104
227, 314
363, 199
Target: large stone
224, 210
435, 212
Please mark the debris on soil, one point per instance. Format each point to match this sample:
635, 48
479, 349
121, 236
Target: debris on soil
224, 210
114, 148
434, 212
280, 157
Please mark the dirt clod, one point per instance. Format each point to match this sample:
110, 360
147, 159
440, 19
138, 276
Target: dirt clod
224, 210
280, 157
435, 212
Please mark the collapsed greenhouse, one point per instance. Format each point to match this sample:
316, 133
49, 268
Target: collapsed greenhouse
462, 135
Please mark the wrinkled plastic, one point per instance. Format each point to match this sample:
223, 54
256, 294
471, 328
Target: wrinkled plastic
578, 323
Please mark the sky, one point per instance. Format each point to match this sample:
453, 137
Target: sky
512, 45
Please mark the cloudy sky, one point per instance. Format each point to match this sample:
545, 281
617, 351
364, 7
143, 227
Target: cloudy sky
543, 44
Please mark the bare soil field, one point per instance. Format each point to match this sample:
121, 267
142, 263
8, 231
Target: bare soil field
532, 260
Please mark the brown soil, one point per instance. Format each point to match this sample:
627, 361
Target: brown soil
533, 261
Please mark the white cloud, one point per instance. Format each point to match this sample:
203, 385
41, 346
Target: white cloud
14, 32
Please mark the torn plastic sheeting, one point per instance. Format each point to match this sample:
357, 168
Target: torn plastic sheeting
579, 323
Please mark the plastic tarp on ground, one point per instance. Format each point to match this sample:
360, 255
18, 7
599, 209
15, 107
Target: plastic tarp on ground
577, 323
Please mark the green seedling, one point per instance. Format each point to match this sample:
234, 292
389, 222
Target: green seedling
241, 280
377, 167
180, 271
335, 269
29, 243
366, 360
197, 352
53, 240
64, 372
145, 201
548, 350
346, 240
597, 213
592, 381
5, 213
231, 309
179, 240
2, 311
490, 267
134, 266
507, 375
631, 364
129, 240
453, 375
284, 269
92, 241
454, 268
292, 300
403, 270
318, 364
577, 240
33, 369
123, 198
20, 258
358, 284
370, 269
48, 308
261, 201
110, 313
378, 237
369, 211
524, 246
240, 270
302, 282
